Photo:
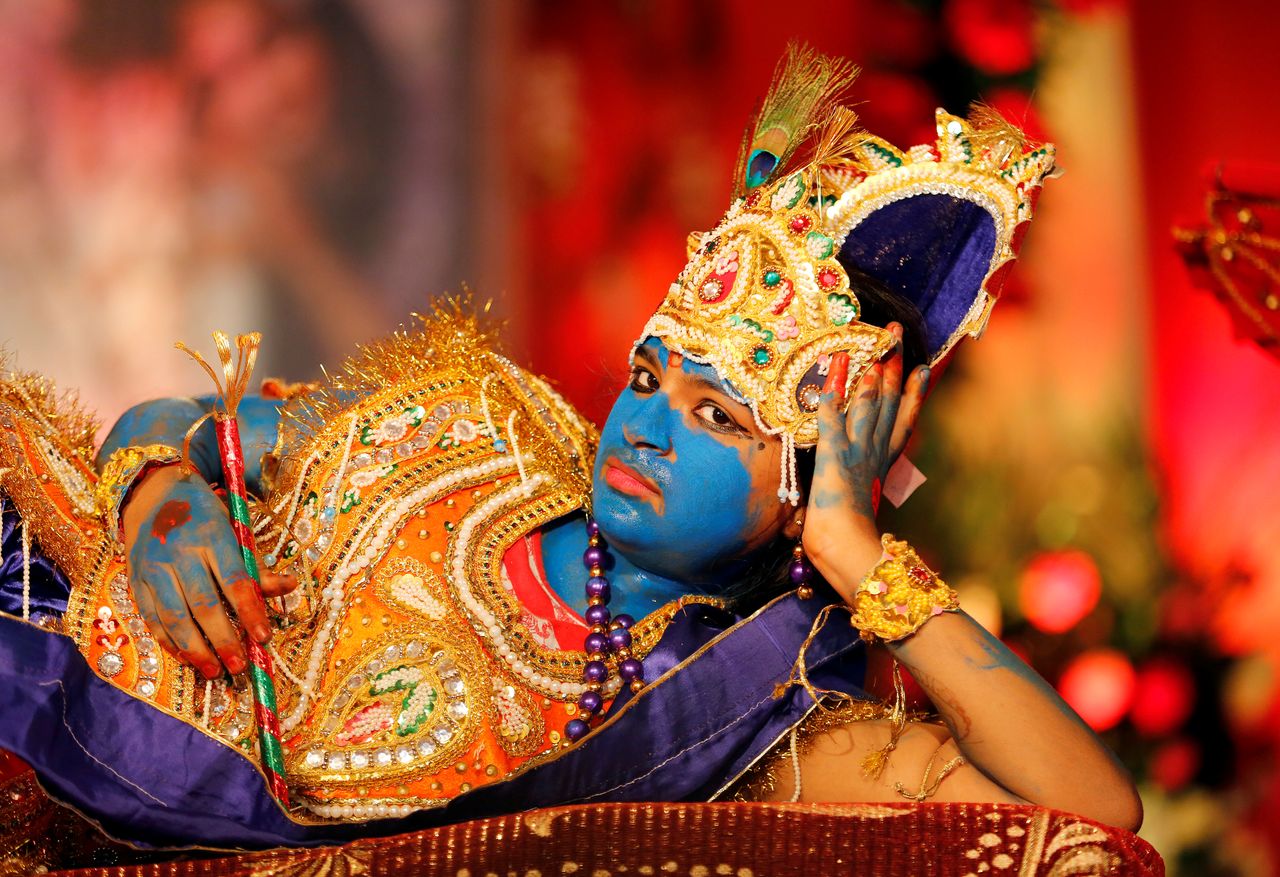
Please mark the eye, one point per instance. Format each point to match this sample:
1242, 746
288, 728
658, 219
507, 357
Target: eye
643, 381
718, 419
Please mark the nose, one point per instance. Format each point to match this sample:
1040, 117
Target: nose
649, 427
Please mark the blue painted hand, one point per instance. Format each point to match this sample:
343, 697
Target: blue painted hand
855, 451
183, 563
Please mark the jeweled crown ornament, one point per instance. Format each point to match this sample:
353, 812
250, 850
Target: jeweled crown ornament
765, 297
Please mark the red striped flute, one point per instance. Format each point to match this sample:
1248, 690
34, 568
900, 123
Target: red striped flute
261, 672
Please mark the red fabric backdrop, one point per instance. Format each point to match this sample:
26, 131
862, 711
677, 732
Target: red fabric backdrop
1208, 81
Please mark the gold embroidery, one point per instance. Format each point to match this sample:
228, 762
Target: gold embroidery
335, 862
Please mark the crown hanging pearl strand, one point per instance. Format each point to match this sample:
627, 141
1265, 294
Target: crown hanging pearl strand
608, 635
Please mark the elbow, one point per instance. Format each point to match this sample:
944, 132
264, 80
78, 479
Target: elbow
1130, 817
1120, 807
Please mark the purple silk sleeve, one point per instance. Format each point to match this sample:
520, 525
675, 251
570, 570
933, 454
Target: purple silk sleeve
49, 587
153, 780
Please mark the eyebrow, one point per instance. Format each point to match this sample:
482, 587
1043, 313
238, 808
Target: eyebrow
709, 384
706, 383
702, 381
648, 355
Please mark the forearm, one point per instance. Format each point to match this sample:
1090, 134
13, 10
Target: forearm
1011, 725
167, 421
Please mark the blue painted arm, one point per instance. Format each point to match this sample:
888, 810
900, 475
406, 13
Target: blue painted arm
185, 568
166, 421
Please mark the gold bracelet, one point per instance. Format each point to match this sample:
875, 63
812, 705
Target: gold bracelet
124, 468
899, 595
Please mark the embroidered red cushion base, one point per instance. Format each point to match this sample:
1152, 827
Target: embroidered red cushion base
745, 840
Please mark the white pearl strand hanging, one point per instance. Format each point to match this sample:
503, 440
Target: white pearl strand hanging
293, 502
26, 573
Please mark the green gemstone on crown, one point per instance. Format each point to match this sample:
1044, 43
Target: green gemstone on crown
819, 245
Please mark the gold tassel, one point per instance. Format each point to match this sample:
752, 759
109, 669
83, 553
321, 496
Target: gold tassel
234, 383
838, 138
800, 669
874, 764
828, 699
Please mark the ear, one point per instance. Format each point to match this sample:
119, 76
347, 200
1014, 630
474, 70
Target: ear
794, 526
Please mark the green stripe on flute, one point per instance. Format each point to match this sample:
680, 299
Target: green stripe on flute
239, 508
250, 563
274, 762
272, 756
262, 686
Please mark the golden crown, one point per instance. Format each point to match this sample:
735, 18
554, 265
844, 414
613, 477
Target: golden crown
765, 298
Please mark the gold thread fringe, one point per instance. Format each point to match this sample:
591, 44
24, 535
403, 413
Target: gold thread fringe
874, 764
59, 411
234, 383
460, 333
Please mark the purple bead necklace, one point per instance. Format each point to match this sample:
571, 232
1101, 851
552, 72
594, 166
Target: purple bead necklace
608, 636
801, 572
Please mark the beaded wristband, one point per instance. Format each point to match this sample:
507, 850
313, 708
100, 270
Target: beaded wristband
899, 595
124, 468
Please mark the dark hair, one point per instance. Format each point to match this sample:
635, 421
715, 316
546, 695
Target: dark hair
879, 306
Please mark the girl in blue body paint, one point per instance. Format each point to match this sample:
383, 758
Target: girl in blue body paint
684, 492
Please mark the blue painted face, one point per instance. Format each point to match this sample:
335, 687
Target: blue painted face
684, 484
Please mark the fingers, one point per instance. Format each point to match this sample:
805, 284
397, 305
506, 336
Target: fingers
832, 441
174, 626
905, 423
274, 585
837, 376
864, 408
242, 592
890, 391
205, 605
143, 596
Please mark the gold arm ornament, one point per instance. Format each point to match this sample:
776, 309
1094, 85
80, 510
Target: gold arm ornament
899, 595
122, 471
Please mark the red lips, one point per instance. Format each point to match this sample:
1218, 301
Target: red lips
626, 480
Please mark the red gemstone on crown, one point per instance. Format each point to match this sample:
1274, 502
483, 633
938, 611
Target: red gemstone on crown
828, 278
801, 224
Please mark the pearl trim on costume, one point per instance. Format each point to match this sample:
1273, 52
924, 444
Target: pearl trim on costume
293, 502
26, 572
484, 622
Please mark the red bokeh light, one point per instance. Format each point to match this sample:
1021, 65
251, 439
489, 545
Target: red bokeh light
1163, 695
1099, 686
1058, 589
996, 36
1175, 763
